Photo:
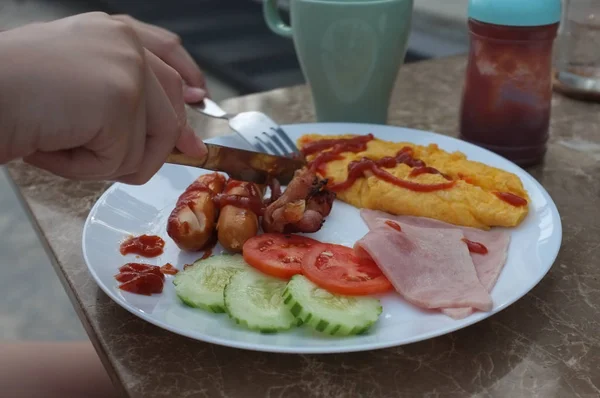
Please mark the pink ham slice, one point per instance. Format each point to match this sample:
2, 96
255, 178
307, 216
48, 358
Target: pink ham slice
488, 266
426, 266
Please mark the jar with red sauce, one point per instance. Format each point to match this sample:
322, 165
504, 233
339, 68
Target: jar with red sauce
508, 88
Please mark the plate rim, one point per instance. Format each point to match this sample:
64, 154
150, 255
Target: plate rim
334, 348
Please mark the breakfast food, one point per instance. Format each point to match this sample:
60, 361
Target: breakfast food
302, 207
256, 301
138, 278
201, 284
329, 313
267, 304
430, 216
233, 209
430, 267
407, 179
143, 245
191, 224
237, 224
488, 249
276, 254
339, 270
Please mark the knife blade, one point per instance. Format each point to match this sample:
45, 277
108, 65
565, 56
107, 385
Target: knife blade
241, 164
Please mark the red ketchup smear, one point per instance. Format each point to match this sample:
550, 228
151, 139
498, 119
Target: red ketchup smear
252, 202
318, 164
358, 168
168, 269
511, 199
355, 142
475, 247
417, 171
207, 253
140, 278
145, 245
394, 225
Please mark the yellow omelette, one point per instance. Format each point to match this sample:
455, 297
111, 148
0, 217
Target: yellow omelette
472, 201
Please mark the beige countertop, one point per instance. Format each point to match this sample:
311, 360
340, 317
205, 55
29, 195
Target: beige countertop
545, 345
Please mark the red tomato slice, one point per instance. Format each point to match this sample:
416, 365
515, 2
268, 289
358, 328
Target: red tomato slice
278, 255
339, 270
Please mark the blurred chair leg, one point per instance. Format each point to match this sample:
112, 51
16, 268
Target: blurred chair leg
52, 369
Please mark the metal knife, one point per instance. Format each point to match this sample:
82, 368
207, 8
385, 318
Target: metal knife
241, 164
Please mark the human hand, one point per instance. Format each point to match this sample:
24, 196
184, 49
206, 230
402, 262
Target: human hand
167, 46
82, 98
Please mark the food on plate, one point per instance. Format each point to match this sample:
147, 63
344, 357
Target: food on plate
329, 313
278, 255
144, 245
339, 270
241, 205
407, 179
191, 224
168, 269
267, 304
488, 258
430, 267
234, 208
140, 278
302, 207
255, 301
201, 285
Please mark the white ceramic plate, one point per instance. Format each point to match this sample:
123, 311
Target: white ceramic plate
133, 210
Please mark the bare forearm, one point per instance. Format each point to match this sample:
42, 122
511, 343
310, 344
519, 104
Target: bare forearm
15, 139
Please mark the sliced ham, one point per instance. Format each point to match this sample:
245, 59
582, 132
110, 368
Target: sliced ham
426, 266
488, 266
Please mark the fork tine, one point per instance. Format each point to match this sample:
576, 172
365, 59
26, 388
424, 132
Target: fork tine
278, 142
260, 147
273, 150
279, 131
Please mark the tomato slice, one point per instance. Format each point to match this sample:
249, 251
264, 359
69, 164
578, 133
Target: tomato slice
278, 255
339, 270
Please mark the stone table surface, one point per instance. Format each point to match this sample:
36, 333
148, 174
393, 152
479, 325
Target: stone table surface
545, 345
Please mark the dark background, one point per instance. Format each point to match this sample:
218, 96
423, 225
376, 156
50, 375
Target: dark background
229, 38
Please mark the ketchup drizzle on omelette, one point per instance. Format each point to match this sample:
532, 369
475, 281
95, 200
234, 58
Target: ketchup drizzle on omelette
511, 199
357, 168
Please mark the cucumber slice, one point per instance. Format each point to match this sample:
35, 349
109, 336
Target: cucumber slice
202, 284
329, 313
254, 300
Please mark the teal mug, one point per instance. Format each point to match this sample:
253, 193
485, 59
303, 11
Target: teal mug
350, 52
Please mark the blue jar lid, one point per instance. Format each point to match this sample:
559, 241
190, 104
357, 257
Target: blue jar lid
516, 12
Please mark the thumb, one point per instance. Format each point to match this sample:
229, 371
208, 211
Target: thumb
190, 144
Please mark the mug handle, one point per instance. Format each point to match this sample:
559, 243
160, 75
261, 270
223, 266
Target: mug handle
274, 21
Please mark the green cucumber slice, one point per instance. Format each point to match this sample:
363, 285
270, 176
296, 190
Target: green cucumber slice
254, 300
329, 313
202, 284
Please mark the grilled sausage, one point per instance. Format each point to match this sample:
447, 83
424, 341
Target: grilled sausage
241, 206
192, 223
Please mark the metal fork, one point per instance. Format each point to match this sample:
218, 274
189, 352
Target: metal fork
256, 128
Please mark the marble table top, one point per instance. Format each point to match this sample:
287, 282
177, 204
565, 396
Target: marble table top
545, 345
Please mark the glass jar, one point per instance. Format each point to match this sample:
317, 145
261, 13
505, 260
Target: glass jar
578, 55
508, 90
508, 87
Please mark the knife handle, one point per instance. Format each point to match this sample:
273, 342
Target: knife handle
177, 157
